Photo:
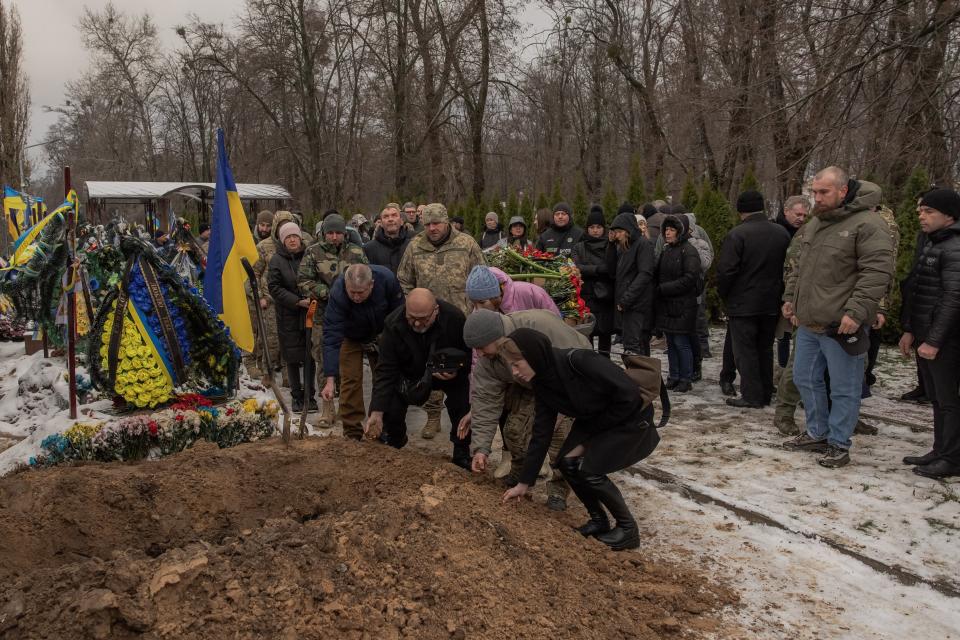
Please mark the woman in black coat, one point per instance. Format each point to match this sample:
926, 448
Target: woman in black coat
633, 294
679, 282
291, 309
593, 256
612, 428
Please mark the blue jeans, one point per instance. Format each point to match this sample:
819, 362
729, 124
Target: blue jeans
680, 356
814, 354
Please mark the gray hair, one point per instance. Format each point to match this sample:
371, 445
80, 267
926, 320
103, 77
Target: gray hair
358, 276
793, 201
840, 177
409, 205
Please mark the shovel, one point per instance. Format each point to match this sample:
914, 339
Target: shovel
307, 380
268, 374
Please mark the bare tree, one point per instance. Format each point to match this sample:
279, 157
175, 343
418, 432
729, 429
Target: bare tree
14, 95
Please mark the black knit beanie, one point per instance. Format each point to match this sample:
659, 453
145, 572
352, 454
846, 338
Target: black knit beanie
750, 202
596, 216
946, 201
626, 207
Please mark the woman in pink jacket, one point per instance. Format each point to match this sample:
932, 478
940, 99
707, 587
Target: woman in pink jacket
490, 288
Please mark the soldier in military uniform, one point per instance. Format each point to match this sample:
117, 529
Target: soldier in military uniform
265, 250
254, 362
439, 259
322, 263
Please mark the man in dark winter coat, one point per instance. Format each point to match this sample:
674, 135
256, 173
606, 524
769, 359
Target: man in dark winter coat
390, 239
562, 234
415, 338
750, 283
795, 211
411, 218
595, 256
358, 305
634, 288
931, 315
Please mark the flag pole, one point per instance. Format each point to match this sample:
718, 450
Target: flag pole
71, 299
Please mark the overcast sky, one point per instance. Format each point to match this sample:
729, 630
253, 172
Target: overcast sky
53, 51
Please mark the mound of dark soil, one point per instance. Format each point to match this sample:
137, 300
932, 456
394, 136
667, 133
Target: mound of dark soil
326, 538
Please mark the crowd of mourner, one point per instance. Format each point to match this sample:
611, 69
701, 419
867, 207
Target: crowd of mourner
410, 292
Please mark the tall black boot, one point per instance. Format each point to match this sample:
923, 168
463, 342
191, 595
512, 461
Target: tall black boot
625, 535
296, 390
598, 523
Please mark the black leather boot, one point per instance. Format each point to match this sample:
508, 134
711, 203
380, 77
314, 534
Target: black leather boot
598, 522
625, 535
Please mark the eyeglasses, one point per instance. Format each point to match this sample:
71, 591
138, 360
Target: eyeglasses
422, 319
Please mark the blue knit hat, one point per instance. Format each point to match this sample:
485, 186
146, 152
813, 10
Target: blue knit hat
482, 284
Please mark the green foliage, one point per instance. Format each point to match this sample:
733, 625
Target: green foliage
542, 202
749, 181
715, 215
525, 209
556, 195
610, 203
580, 204
689, 197
659, 188
909, 226
513, 208
636, 189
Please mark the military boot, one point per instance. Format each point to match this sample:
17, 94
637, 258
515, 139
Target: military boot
432, 427
327, 418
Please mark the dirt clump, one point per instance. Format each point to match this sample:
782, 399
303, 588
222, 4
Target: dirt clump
325, 538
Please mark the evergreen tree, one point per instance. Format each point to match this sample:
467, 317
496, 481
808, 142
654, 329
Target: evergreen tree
610, 203
909, 226
542, 202
526, 210
580, 205
716, 217
636, 190
557, 194
659, 188
513, 208
749, 181
689, 196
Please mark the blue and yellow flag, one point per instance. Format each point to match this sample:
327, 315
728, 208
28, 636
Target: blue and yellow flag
230, 240
18, 215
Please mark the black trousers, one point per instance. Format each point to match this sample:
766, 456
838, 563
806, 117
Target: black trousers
940, 379
457, 401
636, 339
873, 353
728, 371
752, 338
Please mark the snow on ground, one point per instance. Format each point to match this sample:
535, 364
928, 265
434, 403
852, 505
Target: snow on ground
793, 584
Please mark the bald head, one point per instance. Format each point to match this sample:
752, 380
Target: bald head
829, 189
421, 310
835, 175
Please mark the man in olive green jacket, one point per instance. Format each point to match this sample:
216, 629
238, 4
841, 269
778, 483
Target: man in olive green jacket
846, 262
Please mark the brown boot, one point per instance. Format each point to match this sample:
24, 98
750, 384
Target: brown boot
432, 427
327, 418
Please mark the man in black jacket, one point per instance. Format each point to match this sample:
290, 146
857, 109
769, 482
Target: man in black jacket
750, 282
563, 234
417, 337
390, 239
931, 314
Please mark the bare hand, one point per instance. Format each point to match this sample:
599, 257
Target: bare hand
374, 425
517, 492
479, 464
445, 375
927, 352
787, 310
328, 389
305, 303
264, 303
881, 320
906, 343
848, 326
463, 429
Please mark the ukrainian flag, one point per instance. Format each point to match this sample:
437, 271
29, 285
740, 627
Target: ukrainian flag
19, 217
230, 240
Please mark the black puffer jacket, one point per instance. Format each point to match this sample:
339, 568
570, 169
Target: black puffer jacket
282, 282
678, 282
490, 238
386, 251
635, 268
560, 240
932, 311
592, 256
750, 267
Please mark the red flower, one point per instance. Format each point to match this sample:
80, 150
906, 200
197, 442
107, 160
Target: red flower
154, 429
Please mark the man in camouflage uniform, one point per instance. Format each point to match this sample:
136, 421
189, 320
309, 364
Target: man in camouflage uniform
322, 263
253, 362
266, 247
439, 259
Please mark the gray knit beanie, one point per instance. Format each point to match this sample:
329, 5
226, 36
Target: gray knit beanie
482, 327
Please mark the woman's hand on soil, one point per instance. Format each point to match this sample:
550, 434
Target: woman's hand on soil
517, 492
